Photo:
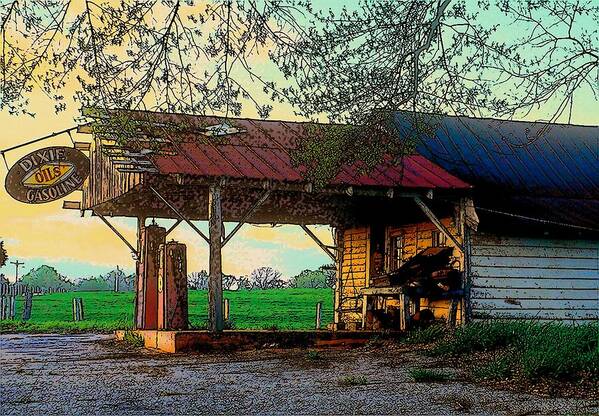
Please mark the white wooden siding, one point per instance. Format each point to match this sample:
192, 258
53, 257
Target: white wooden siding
544, 279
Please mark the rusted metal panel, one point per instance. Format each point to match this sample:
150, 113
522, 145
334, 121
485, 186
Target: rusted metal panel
534, 278
172, 287
147, 278
262, 150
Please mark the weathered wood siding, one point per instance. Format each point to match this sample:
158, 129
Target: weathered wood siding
354, 274
418, 237
105, 182
534, 278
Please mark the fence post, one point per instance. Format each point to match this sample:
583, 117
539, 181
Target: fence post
11, 307
3, 304
81, 315
75, 310
226, 309
78, 309
27, 305
318, 314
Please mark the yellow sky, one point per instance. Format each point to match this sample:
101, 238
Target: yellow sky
79, 247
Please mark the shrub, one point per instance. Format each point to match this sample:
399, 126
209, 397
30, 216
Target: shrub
313, 355
425, 375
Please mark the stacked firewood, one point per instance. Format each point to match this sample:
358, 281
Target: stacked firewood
430, 272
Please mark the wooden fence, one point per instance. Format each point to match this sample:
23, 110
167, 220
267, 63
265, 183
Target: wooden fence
8, 300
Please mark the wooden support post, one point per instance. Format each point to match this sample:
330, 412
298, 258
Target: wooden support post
339, 243
215, 284
141, 223
227, 311
320, 243
247, 215
433, 218
364, 312
118, 234
27, 304
453, 311
404, 320
318, 314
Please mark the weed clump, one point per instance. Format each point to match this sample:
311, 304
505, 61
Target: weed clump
428, 335
353, 381
426, 375
531, 349
133, 339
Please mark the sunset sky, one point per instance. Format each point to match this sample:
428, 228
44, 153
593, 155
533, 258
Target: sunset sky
80, 247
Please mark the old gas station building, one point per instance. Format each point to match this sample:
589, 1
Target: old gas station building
241, 171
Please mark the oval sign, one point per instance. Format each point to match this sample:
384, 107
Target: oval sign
47, 175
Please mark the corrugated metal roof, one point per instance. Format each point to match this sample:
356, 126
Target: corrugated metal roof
513, 156
261, 150
546, 171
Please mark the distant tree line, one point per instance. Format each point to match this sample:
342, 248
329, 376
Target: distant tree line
268, 278
47, 277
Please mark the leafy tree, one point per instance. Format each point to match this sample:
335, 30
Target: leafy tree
330, 273
94, 284
46, 277
309, 279
266, 278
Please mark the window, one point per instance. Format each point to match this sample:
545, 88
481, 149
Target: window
397, 245
439, 239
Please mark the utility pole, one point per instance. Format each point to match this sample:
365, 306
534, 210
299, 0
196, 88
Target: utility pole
17, 263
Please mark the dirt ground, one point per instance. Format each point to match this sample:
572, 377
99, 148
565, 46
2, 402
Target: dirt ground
92, 374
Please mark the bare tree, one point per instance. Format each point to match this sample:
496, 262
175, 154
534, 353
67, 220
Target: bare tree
230, 282
198, 280
266, 278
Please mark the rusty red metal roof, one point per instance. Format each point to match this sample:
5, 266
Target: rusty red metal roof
262, 150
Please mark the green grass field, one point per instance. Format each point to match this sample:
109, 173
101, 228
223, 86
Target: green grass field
107, 311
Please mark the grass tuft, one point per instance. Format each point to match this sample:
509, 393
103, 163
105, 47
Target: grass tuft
313, 355
428, 335
133, 339
533, 349
352, 381
426, 375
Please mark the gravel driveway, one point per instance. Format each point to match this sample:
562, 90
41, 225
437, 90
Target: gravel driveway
83, 374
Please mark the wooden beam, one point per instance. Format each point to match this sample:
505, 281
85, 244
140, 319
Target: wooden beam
174, 226
247, 215
176, 211
215, 283
71, 205
431, 216
317, 241
82, 146
133, 250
